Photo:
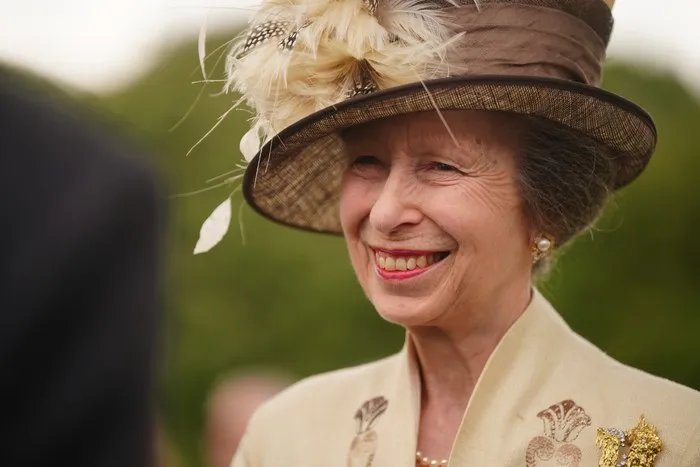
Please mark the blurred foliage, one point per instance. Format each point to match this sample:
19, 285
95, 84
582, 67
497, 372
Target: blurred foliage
290, 299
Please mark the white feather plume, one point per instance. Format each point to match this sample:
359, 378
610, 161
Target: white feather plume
214, 228
301, 56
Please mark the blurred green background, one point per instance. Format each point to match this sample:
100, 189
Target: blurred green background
290, 300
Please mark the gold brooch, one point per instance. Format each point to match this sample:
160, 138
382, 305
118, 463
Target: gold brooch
642, 444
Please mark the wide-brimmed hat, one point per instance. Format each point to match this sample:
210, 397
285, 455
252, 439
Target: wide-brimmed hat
312, 68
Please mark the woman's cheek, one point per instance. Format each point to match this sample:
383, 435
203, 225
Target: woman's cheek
352, 204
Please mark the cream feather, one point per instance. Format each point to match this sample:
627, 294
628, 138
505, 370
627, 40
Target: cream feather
301, 56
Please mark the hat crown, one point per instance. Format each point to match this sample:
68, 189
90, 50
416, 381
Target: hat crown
301, 56
597, 14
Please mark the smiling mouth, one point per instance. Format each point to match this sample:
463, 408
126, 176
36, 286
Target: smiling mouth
409, 261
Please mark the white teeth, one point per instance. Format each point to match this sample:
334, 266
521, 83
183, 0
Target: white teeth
411, 264
381, 261
401, 264
422, 262
390, 264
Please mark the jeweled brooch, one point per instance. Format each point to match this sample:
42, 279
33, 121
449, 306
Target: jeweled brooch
637, 447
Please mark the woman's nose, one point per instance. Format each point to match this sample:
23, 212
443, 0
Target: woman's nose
396, 205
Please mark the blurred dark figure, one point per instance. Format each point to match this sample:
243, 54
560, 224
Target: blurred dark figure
231, 403
79, 280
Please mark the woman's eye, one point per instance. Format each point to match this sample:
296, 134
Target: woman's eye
368, 167
366, 160
442, 167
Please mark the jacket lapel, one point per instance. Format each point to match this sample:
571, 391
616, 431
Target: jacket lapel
518, 391
399, 431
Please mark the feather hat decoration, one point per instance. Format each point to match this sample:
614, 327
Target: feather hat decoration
301, 56
309, 69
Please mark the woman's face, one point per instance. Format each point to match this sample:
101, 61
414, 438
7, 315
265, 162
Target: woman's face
434, 227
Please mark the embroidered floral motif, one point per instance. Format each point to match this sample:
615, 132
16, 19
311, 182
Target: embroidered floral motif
364, 445
563, 422
643, 441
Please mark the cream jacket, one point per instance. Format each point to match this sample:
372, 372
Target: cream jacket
546, 397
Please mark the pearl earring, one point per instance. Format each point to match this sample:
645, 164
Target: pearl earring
541, 246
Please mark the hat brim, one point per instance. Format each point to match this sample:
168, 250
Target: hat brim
295, 178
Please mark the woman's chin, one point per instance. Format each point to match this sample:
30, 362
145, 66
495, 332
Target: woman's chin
406, 312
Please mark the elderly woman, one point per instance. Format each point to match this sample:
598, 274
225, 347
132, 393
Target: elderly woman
454, 145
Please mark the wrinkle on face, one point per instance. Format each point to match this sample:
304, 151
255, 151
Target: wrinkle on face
476, 213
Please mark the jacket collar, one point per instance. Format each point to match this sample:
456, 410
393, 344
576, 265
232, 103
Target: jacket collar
524, 359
